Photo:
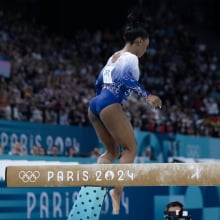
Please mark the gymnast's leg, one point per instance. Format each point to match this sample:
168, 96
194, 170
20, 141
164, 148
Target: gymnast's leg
113, 129
112, 147
121, 129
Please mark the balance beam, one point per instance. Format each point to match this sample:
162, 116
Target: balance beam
152, 174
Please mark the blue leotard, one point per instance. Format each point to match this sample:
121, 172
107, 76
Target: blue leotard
116, 82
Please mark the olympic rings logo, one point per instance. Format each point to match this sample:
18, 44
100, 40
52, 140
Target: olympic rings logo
29, 176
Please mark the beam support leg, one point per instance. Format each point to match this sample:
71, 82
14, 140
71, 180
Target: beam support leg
88, 204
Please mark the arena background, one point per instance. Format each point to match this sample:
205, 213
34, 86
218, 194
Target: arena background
65, 17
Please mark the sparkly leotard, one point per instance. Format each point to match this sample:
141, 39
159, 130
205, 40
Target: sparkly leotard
116, 82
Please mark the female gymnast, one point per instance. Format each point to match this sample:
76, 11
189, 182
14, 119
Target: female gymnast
117, 80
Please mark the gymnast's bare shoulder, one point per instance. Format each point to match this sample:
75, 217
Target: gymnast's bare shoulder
116, 55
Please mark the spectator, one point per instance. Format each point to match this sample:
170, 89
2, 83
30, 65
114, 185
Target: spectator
54, 151
42, 151
175, 211
17, 149
48, 84
36, 115
35, 150
148, 154
71, 152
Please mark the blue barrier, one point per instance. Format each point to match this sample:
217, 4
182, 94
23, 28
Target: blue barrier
85, 139
45, 135
164, 145
137, 202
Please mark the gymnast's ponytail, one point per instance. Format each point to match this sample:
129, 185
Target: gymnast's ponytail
135, 26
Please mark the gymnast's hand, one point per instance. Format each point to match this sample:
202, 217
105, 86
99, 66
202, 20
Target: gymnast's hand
154, 101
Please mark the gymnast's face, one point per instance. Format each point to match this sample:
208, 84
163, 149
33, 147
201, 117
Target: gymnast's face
142, 45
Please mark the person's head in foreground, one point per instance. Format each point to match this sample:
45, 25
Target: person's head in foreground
175, 211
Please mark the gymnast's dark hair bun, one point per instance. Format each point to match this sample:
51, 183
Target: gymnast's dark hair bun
135, 26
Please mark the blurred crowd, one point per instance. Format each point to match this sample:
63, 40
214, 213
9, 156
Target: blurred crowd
52, 76
19, 149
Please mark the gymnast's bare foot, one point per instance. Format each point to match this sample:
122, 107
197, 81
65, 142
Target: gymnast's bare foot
116, 197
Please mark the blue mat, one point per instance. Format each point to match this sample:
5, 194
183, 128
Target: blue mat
88, 204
